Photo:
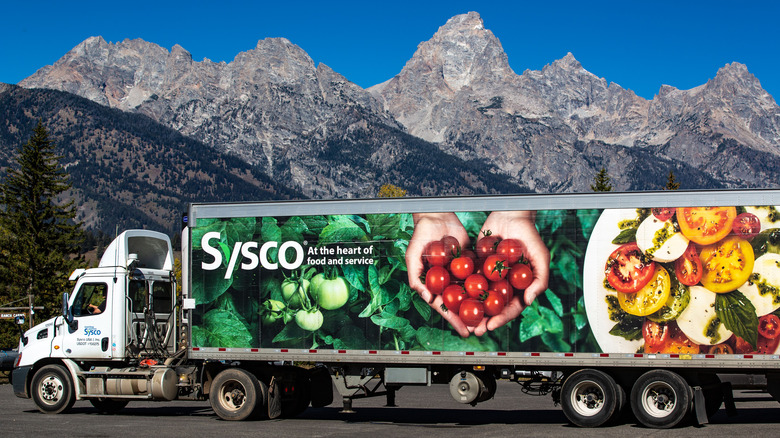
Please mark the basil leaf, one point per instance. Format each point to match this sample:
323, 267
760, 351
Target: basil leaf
625, 236
737, 313
629, 329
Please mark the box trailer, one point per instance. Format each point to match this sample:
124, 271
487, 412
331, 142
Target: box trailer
606, 301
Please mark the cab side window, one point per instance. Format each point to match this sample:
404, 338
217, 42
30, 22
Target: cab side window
89, 297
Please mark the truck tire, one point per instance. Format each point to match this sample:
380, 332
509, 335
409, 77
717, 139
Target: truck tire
237, 395
108, 405
661, 399
590, 398
52, 389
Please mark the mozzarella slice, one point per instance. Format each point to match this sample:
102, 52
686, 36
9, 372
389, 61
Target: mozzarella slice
696, 320
658, 240
766, 279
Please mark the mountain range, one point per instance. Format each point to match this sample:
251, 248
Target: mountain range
455, 120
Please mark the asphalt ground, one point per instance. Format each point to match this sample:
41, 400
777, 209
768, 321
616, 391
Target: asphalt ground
420, 411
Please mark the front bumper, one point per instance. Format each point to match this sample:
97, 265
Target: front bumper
20, 381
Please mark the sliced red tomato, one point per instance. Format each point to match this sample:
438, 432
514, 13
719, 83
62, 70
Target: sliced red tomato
679, 343
688, 268
706, 225
769, 326
723, 348
656, 336
767, 345
663, 213
628, 270
747, 225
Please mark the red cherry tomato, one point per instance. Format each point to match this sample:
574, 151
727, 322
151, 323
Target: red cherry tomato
504, 288
471, 312
628, 270
476, 285
461, 267
494, 303
769, 326
437, 279
487, 246
746, 226
436, 254
656, 336
511, 249
688, 268
495, 268
453, 296
663, 213
451, 246
521, 276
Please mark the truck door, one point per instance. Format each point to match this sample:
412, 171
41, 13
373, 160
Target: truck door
92, 309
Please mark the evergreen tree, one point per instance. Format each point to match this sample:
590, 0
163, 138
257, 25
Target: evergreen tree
40, 237
671, 184
601, 182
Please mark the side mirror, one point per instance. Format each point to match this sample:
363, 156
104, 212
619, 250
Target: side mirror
20, 320
67, 314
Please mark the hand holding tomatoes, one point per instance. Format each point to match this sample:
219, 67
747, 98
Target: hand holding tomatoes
518, 228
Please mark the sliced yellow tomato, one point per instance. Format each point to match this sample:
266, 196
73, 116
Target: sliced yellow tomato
706, 225
727, 264
650, 298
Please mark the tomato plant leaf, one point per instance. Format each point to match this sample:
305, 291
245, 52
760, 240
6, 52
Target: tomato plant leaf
391, 322
342, 230
555, 342
384, 226
588, 219
556, 303
551, 323
356, 276
422, 307
738, 314
435, 339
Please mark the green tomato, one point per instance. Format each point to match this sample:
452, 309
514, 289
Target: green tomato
309, 320
272, 310
293, 292
316, 281
333, 294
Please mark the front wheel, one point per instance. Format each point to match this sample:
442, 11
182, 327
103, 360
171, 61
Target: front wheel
236, 395
660, 399
52, 390
590, 398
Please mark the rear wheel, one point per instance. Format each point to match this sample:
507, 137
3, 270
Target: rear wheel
660, 399
590, 398
52, 389
236, 395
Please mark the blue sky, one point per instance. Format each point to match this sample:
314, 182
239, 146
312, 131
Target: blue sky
639, 45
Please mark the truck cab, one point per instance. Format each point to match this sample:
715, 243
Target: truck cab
117, 314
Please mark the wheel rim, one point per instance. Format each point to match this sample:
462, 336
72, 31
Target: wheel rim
587, 398
659, 399
232, 395
51, 390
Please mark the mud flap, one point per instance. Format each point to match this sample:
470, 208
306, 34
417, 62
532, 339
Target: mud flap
274, 399
700, 410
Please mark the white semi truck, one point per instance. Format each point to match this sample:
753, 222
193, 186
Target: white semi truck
606, 301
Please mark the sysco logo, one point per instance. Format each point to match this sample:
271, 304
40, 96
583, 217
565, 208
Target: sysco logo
251, 257
91, 331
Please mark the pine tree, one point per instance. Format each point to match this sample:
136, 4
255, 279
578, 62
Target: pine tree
601, 182
40, 237
671, 184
